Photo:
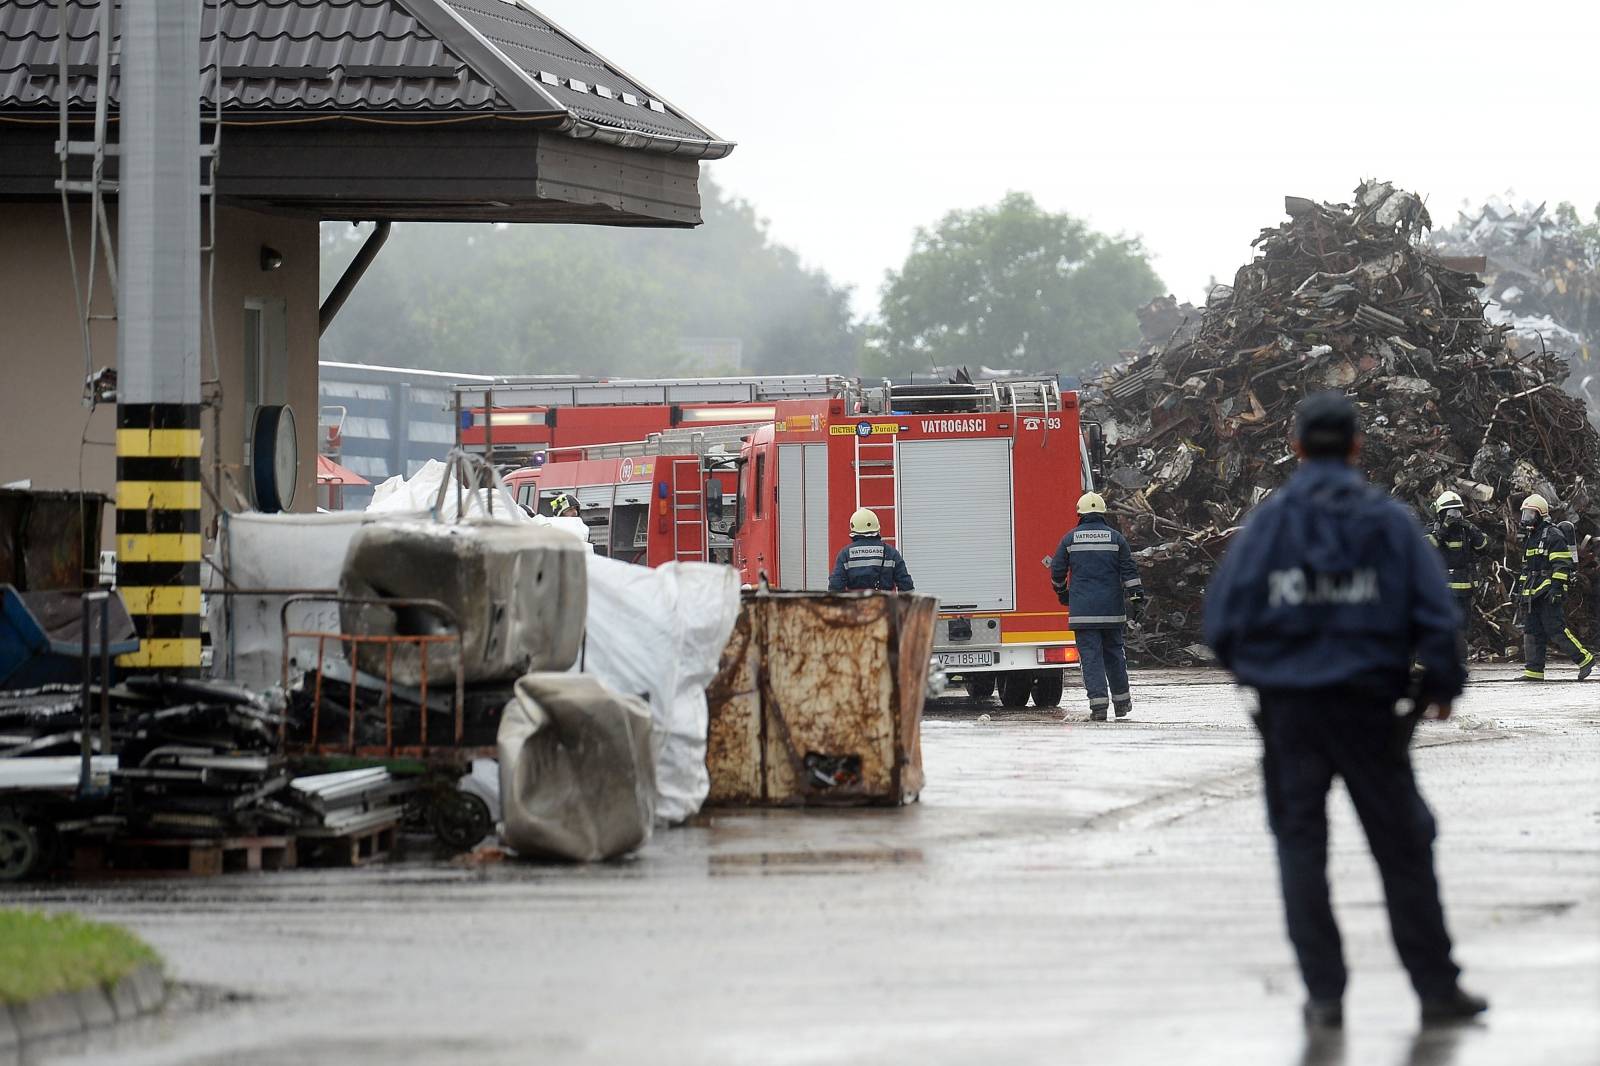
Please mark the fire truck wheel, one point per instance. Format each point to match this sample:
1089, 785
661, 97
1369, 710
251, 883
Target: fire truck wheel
1047, 688
1015, 687
979, 686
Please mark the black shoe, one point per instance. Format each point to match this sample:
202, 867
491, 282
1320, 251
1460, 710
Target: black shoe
1459, 1006
1123, 709
1585, 670
1324, 1014
1097, 715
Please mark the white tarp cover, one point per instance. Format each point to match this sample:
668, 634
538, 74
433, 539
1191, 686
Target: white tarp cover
576, 778
660, 632
402, 495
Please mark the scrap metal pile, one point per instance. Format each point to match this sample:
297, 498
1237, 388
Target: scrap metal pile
1541, 278
1338, 297
193, 758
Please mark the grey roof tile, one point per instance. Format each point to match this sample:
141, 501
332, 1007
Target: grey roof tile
352, 56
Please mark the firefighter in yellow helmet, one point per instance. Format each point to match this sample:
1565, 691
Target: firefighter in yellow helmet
867, 563
1459, 542
1104, 586
564, 506
1547, 564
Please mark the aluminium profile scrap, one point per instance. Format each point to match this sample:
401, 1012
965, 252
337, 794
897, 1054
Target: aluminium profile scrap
1341, 296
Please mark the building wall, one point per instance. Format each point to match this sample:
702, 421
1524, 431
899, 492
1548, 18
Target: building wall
48, 436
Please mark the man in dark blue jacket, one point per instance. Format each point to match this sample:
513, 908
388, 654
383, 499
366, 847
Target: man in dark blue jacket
1324, 601
1104, 582
867, 562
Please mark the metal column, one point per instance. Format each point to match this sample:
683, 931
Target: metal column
158, 336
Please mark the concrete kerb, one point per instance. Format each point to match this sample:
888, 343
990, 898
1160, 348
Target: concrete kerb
144, 991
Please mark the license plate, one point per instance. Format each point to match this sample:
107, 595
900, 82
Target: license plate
966, 658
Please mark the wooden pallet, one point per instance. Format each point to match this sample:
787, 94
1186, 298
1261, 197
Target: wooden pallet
185, 856
355, 849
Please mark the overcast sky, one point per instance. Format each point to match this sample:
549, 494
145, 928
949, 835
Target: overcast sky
1181, 123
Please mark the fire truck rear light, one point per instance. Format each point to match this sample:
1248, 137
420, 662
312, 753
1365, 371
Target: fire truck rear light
1057, 656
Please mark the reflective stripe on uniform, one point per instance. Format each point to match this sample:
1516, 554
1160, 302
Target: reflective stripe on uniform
1539, 588
1455, 544
1461, 585
1531, 552
1537, 675
865, 557
1076, 547
1092, 619
1560, 555
1133, 583
1098, 703
1122, 697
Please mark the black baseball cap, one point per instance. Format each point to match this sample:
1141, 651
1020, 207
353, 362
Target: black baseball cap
1325, 423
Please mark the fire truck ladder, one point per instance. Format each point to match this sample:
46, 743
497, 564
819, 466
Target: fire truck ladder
687, 502
877, 480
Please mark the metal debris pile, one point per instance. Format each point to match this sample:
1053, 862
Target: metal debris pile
1341, 296
1542, 278
193, 758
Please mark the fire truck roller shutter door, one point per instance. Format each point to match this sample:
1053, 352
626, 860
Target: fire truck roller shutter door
955, 521
819, 553
591, 496
804, 556
633, 493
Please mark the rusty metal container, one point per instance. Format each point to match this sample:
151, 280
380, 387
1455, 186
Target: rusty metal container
49, 540
819, 700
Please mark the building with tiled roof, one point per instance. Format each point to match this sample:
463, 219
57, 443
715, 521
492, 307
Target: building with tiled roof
331, 110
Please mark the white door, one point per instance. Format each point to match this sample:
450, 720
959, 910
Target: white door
955, 522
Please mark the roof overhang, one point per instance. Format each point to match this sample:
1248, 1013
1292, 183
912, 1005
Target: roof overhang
486, 168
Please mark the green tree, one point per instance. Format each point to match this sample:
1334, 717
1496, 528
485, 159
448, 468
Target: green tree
1012, 286
586, 299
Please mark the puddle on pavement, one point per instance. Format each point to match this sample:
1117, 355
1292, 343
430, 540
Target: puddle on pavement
828, 860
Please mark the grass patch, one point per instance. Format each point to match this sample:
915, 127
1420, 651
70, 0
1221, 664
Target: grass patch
45, 954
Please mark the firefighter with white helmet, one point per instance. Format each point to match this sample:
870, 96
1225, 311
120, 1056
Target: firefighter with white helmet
1104, 584
1459, 543
867, 563
1547, 565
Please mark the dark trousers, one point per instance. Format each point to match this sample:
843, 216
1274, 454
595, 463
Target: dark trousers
1547, 625
1311, 735
1104, 660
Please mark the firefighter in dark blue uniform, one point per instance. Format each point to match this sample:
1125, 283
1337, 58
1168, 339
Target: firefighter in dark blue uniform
1547, 565
1459, 543
1104, 584
1324, 601
867, 562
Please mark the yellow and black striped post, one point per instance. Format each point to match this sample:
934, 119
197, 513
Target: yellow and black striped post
158, 334
158, 532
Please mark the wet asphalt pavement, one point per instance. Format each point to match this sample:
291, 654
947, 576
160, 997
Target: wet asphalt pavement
1078, 892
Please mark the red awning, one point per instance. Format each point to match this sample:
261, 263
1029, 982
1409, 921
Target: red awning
331, 473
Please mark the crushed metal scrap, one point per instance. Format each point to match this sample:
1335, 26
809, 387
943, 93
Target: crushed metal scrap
1341, 296
1541, 277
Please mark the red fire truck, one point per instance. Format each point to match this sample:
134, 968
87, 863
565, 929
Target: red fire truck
975, 483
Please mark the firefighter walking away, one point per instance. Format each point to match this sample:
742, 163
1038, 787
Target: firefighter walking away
1547, 565
1322, 603
1094, 575
868, 563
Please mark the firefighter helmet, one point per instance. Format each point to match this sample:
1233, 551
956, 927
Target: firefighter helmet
1538, 503
1091, 503
863, 522
563, 503
1448, 501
